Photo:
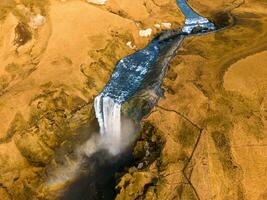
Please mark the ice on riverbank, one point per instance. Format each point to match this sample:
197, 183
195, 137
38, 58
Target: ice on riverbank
199, 22
157, 26
99, 2
129, 44
145, 33
37, 21
166, 25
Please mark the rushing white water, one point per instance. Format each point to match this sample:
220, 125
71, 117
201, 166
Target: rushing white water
193, 20
108, 113
125, 81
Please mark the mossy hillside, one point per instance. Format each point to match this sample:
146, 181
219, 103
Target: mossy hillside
36, 4
105, 59
133, 185
55, 125
50, 124
17, 124
227, 46
140, 105
12, 68
5, 7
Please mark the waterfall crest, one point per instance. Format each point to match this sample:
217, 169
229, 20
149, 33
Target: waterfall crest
108, 113
125, 81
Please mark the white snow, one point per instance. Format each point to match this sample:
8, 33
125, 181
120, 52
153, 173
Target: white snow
166, 25
37, 21
99, 2
145, 33
129, 44
157, 26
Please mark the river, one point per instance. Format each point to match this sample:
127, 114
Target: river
133, 90
142, 69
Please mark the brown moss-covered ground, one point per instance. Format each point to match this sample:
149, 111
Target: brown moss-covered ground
211, 126
205, 140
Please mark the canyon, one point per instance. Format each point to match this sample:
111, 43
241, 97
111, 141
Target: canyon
205, 138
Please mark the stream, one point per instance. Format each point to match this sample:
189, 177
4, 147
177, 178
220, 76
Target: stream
133, 90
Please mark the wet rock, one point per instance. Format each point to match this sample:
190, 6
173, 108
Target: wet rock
23, 34
140, 166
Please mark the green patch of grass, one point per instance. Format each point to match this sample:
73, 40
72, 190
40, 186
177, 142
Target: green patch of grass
90, 82
68, 61
179, 190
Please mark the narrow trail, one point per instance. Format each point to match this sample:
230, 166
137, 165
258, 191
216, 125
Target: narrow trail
201, 130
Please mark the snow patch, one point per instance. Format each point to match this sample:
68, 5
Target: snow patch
157, 26
37, 21
166, 25
145, 33
99, 2
129, 44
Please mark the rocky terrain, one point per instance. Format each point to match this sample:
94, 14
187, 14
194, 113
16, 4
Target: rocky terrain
206, 138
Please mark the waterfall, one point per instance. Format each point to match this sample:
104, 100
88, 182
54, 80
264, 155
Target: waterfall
125, 81
130, 74
108, 114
